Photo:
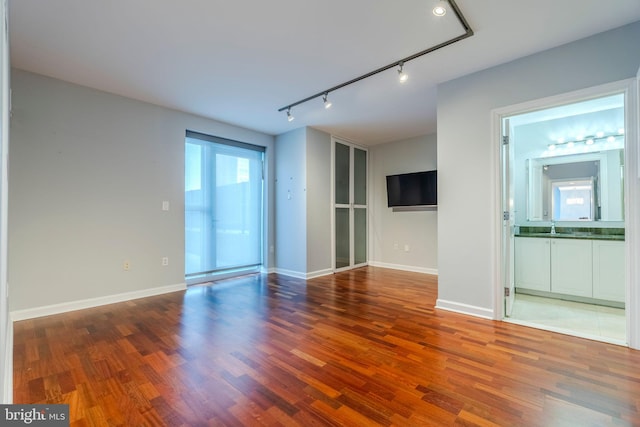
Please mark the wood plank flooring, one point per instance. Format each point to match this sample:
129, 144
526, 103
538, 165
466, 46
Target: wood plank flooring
359, 348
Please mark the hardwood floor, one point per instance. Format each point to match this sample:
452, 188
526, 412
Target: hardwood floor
358, 348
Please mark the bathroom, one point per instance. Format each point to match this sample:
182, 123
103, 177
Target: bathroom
566, 168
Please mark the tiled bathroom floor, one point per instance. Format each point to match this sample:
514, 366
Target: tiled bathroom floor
586, 320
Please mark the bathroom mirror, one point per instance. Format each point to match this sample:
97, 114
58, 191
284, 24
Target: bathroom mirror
578, 187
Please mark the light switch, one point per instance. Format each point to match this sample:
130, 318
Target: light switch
165, 205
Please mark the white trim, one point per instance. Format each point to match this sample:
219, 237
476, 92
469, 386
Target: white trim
632, 190
411, 268
319, 273
304, 276
64, 307
291, 273
8, 374
467, 309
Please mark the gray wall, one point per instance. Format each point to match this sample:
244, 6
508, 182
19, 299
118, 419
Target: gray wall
318, 202
6, 328
303, 196
467, 162
291, 202
88, 174
416, 228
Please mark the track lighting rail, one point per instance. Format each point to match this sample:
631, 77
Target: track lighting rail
468, 32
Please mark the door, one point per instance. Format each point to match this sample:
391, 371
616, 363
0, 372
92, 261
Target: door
507, 220
349, 206
223, 207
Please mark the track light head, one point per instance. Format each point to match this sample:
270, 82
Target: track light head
440, 9
327, 103
289, 116
402, 76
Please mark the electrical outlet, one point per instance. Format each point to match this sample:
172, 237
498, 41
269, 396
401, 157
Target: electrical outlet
126, 266
165, 261
406, 248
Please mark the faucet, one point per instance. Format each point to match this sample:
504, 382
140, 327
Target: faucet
553, 227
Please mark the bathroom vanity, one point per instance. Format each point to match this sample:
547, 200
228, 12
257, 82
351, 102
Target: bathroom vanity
581, 264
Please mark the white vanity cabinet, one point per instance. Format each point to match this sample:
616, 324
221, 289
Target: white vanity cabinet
608, 270
576, 267
571, 262
533, 263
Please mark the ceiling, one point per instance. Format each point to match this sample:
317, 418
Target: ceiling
240, 61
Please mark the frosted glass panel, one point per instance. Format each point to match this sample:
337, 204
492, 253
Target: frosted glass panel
343, 258
360, 235
359, 177
342, 174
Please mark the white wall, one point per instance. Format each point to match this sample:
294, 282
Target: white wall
415, 228
88, 174
467, 161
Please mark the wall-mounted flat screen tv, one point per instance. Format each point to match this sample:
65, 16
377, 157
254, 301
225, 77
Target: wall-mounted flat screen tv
412, 189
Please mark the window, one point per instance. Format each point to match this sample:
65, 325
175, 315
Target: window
223, 206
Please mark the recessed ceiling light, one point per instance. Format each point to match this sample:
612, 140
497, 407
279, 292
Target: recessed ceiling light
440, 9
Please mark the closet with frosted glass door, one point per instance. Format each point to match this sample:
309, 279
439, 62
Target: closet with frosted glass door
349, 205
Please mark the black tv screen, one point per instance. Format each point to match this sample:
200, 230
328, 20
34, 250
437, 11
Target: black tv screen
413, 189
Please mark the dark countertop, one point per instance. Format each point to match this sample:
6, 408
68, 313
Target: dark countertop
583, 233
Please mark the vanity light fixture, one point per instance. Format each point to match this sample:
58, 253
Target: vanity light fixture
327, 103
402, 76
441, 8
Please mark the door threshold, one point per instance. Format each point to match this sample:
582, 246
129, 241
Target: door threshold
592, 337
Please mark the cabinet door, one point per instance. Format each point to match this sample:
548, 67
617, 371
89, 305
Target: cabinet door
608, 270
571, 272
532, 263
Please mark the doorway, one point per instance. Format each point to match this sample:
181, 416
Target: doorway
564, 179
224, 186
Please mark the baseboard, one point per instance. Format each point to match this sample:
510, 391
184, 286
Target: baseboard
48, 310
319, 273
7, 387
304, 276
432, 271
461, 308
291, 273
